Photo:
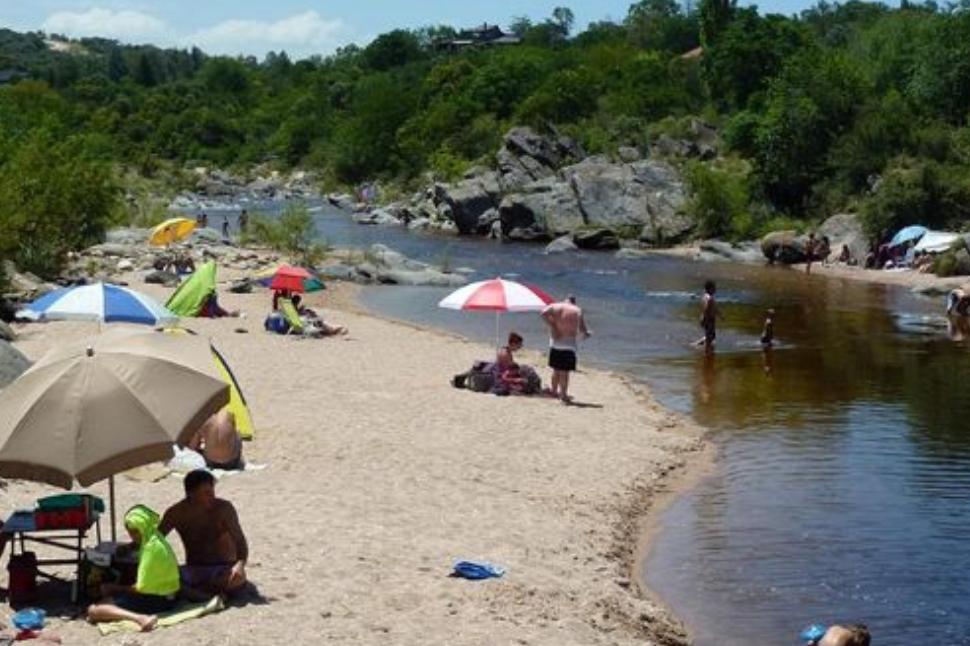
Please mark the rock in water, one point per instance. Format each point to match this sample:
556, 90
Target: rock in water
596, 239
784, 247
561, 244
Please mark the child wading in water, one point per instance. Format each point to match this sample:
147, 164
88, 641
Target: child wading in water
709, 315
768, 332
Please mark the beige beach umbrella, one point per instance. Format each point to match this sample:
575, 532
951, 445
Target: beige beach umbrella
95, 408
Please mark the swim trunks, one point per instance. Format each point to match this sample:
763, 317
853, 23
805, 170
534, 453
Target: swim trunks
560, 359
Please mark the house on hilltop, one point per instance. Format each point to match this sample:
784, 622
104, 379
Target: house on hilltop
485, 35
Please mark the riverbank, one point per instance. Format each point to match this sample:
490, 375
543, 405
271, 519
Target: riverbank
380, 475
914, 280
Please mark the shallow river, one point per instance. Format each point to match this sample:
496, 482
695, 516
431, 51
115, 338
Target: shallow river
842, 492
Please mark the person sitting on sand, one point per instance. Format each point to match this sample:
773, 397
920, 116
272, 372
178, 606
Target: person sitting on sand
157, 583
219, 442
216, 549
505, 355
511, 381
310, 318
277, 295
211, 309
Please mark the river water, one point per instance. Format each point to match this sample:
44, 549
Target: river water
842, 490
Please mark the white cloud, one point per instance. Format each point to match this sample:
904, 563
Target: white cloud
299, 35
125, 25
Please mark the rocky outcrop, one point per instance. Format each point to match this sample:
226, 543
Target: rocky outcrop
718, 250
384, 265
469, 200
541, 211
788, 248
596, 239
544, 186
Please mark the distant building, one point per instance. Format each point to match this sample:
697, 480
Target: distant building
483, 36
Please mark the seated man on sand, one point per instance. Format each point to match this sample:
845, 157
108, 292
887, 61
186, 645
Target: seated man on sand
311, 319
215, 546
157, 583
219, 442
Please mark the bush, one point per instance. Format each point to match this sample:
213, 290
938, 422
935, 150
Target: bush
53, 199
293, 233
719, 203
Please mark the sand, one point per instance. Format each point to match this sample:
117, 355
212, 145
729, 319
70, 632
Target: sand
380, 475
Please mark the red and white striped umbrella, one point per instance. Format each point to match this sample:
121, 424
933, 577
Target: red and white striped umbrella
497, 295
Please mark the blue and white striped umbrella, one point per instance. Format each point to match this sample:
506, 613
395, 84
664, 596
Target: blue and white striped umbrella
98, 302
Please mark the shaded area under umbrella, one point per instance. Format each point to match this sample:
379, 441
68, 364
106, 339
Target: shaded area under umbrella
101, 406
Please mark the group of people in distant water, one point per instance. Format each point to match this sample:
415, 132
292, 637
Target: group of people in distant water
202, 221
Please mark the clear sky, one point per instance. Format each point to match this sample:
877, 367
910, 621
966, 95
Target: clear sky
301, 27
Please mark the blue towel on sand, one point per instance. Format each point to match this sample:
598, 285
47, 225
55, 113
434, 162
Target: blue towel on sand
813, 633
477, 570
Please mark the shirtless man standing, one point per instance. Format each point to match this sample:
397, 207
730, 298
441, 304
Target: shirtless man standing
566, 322
219, 442
215, 546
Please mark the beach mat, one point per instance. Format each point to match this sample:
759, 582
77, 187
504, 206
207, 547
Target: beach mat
166, 619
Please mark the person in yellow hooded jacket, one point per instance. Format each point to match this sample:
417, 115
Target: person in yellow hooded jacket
157, 584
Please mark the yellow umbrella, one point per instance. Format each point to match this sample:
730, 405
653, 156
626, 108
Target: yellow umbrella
171, 231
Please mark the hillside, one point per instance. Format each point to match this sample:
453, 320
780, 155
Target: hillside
846, 106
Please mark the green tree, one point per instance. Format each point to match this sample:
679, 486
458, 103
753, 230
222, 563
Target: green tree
714, 17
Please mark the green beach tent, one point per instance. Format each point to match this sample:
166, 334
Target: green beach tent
189, 298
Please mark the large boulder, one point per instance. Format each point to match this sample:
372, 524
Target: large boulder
526, 142
845, 229
596, 239
718, 250
647, 195
561, 244
786, 247
469, 199
544, 209
382, 217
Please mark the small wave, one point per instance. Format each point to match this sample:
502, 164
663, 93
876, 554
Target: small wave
673, 296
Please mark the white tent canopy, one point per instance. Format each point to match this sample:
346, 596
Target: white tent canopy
937, 241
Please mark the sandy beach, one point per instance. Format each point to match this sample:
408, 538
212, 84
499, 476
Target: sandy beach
380, 475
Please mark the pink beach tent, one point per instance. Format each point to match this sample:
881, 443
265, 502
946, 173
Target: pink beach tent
497, 295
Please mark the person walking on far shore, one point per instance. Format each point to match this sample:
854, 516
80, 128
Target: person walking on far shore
566, 323
225, 226
709, 315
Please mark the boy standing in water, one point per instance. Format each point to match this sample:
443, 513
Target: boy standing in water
709, 316
768, 332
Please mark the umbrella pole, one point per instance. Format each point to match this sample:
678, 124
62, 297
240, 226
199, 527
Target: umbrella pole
497, 341
111, 499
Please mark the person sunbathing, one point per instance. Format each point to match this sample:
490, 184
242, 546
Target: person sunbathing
311, 319
157, 584
216, 549
219, 442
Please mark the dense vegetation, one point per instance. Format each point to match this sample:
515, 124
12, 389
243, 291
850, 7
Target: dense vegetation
845, 106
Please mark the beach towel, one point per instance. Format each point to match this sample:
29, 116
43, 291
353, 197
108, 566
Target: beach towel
477, 570
182, 613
